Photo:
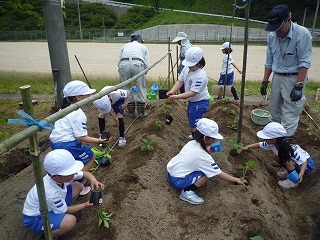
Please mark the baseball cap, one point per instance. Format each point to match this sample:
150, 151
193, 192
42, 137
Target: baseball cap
193, 56
76, 88
180, 36
61, 162
226, 45
272, 130
136, 37
208, 128
276, 16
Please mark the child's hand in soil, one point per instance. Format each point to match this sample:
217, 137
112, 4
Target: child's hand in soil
241, 181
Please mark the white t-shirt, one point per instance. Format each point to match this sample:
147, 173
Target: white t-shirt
196, 81
224, 64
191, 158
69, 127
299, 155
135, 50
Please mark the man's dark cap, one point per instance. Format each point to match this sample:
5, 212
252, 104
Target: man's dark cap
276, 16
136, 37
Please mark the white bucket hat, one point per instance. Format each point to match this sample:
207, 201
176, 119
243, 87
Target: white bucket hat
272, 130
193, 56
76, 88
225, 45
208, 128
103, 104
61, 162
180, 36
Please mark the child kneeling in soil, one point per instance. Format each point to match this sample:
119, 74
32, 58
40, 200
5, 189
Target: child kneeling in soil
193, 166
61, 191
118, 100
290, 156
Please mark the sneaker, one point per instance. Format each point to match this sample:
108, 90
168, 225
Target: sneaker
191, 197
190, 137
283, 175
122, 142
287, 184
85, 190
275, 164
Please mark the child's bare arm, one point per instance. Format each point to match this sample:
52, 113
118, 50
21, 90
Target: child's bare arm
229, 178
95, 184
303, 168
236, 67
254, 145
77, 208
88, 139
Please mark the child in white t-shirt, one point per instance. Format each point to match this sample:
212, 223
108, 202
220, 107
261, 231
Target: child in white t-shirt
118, 100
195, 81
193, 166
60, 193
290, 156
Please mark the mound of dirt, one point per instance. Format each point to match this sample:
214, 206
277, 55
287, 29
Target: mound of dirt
145, 206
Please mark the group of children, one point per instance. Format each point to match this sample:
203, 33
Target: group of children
70, 160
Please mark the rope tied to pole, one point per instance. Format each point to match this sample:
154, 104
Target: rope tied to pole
29, 121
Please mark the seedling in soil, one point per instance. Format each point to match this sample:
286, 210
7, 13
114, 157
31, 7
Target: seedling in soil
233, 123
166, 108
246, 167
103, 217
229, 110
147, 144
227, 100
237, 146
257, 238
158, 124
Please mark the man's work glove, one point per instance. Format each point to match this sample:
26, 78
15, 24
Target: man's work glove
296, 92
263, 88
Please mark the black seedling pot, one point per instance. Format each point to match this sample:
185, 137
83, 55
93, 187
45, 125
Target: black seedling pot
103, 161
162, 93
169, 120
96, 197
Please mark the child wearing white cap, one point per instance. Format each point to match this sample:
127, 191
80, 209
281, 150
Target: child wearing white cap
60, 192
118, 100
226, 49
195, 81
193, 166
290, 156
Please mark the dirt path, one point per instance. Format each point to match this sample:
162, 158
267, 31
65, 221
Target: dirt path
100, 59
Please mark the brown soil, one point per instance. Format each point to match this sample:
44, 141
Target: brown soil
145, 206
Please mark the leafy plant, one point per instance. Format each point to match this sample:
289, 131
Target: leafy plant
103, 217
246, 167
147, 144
232, 123
158, 123
233, 142
256, 238
166, 108
229, 110
227, 100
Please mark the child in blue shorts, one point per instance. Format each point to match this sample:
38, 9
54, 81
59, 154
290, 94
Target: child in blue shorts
118, 100
290, 156
60, 192
195, 81
193, 166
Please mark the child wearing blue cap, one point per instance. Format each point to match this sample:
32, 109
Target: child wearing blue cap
192, 167
60, 191
290, 156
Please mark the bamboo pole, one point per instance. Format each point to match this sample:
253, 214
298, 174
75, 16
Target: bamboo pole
37, 170
23, 135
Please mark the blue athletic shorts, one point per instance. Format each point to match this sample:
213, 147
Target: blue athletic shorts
196, 110
230, 79
182, 183
116, 106
310, 166
35, 223
78, 150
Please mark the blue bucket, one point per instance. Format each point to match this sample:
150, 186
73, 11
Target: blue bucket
293, 176
134, 89
154, 88
216, 147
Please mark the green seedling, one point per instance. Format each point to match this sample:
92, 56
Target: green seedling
257, 238
147, 144
229, 110
227, 100
238, 146
166, 108
233, 123
246, 167
103, 217
158, 123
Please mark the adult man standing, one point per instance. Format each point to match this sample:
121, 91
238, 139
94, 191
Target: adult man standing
133, 59
289, 55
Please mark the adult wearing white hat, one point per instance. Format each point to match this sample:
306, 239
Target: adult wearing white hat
195, 81
290, 156
192, 167
184, 43
60, 191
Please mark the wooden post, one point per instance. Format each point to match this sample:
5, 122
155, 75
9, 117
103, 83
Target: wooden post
37, 170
